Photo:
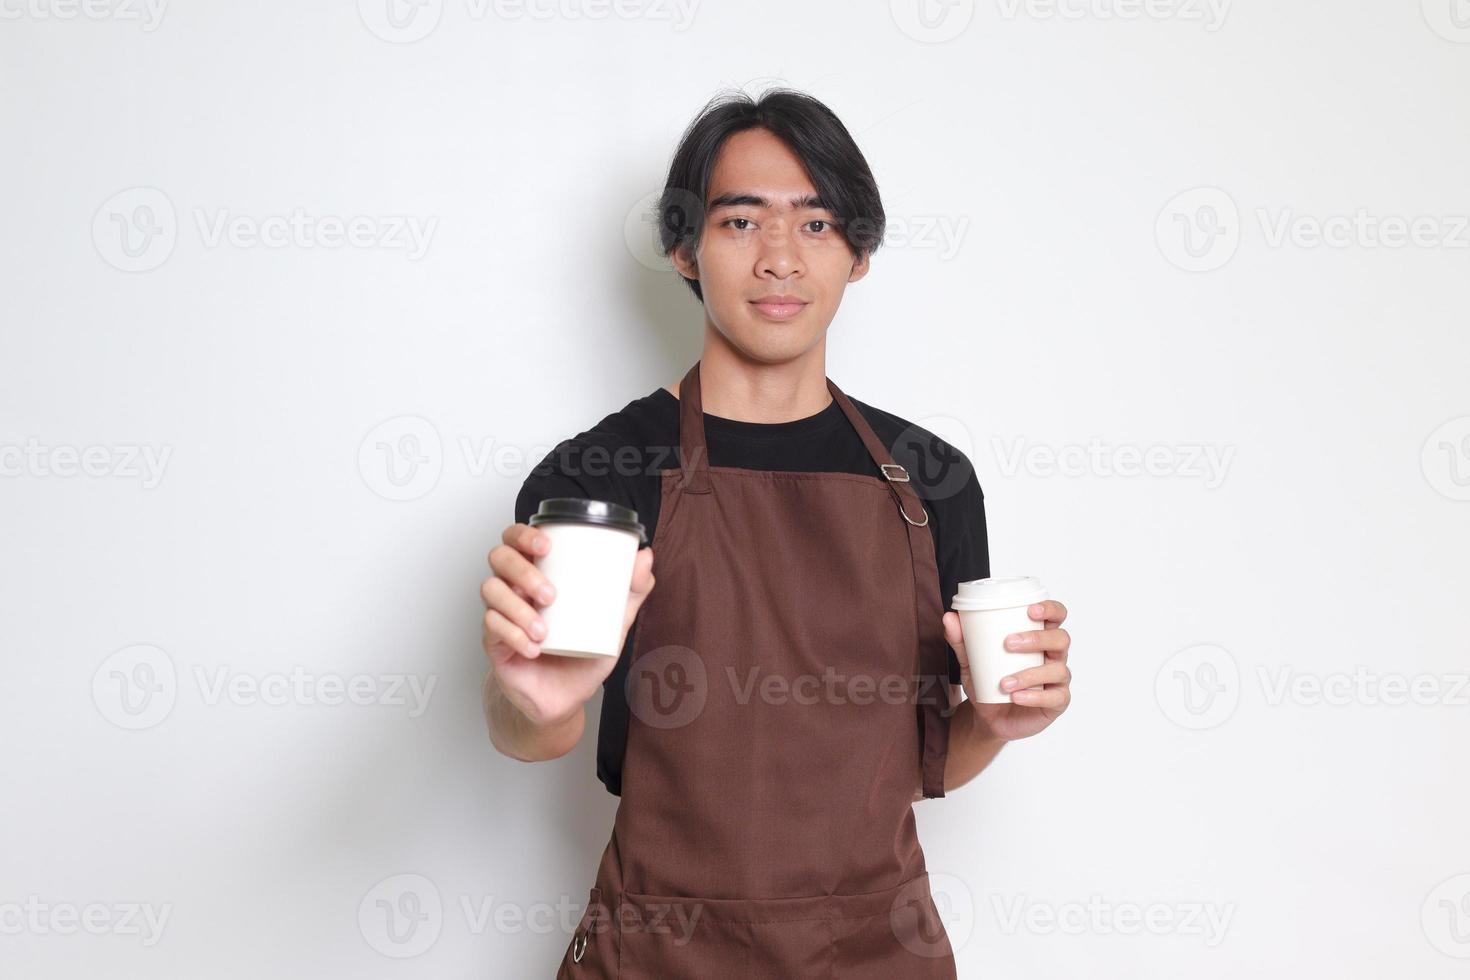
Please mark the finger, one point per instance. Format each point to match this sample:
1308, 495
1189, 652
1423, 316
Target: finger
508, 563
498, 629
1050, 611
1043, 697
527, 539
510, 603
1054, 672
1049, 641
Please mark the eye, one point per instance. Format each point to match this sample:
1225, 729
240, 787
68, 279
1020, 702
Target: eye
730, 221
819, 221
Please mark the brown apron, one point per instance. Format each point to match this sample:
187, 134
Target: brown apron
788, 691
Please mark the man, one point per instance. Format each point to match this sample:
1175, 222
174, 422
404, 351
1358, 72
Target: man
789, 684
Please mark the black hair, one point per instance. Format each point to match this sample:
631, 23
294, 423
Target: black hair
832, 159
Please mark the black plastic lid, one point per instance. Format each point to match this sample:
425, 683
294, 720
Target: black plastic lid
575, 510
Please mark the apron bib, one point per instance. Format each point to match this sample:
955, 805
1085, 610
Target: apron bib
788, 693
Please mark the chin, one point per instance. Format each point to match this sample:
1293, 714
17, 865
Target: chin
770, 350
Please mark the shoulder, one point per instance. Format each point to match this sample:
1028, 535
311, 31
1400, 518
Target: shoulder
937, 467
622, 443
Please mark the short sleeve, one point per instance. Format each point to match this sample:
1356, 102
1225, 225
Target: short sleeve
961, 546
574, 468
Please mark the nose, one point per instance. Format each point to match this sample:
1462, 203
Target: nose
778, 255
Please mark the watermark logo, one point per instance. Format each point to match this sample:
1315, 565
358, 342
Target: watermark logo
401, 458
135, 229
1445, 916
684, 213
1201, 686
1445, 459
936, 452
404, 457
1450, 19
933, 915
400, 21
932, 21
401, 916
667, 687
1198, 687
1199, 229
136, 687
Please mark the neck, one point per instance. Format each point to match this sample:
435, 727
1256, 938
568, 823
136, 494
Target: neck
734, 386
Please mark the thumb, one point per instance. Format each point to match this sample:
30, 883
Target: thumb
642, 574
640, 587
956, 638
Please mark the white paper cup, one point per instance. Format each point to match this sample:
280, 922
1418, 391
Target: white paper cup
990, 610
593, 546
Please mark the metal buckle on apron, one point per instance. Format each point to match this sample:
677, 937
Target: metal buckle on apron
578, 950
903, 479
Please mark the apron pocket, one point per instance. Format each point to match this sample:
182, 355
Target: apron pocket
821, 937
593, 951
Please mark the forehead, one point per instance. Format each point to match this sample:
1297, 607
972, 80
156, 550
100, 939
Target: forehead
756, 161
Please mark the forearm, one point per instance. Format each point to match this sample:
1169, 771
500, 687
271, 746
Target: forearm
515, 735
971, 747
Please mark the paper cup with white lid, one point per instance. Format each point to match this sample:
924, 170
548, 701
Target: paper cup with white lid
594, 544
990, 610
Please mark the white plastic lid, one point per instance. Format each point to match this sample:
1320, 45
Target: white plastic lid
998, 593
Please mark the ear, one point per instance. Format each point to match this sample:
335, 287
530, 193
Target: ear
860, 267
684, 263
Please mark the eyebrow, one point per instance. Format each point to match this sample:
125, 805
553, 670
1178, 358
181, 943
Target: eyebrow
746, 198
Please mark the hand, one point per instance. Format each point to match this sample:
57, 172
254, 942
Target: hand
551, 689
1041, 693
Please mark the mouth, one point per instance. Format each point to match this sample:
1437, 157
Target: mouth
779, 307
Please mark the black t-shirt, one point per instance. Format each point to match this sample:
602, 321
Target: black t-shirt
620, 458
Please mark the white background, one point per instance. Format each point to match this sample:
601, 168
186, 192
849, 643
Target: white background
1038, 291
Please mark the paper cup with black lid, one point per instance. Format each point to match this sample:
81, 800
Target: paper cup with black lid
593, 546
990, 610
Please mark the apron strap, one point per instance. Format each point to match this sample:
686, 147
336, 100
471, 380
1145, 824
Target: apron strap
693, 454
933, 709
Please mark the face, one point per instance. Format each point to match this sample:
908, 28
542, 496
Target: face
766, 235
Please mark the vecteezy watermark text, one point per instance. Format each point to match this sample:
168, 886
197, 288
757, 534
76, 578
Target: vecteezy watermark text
407, 21
1200, 687
124, 462
1099, 916
147, 13
40, 918
136, 229
1201, 229
403, 916
1210, 13
1203, 462
137, 687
